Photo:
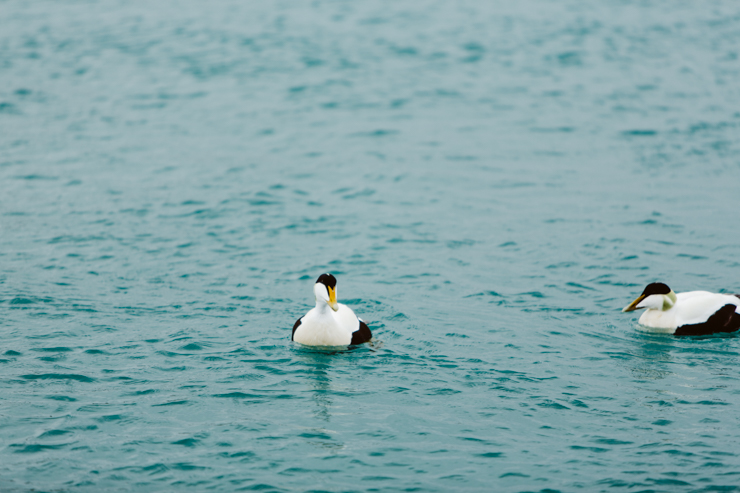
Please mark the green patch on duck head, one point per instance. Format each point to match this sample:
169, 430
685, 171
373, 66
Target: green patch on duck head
669, 300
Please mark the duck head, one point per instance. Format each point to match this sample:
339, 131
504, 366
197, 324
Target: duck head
656, 296
325, 290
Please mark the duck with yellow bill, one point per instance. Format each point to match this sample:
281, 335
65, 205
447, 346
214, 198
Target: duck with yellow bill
329, 323
686, 314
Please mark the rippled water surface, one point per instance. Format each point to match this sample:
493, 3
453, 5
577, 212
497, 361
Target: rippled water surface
489, 181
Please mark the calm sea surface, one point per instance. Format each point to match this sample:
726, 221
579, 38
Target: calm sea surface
490, 181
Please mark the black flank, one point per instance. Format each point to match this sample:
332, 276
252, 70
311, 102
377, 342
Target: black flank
297, 323
724, 320
362, 334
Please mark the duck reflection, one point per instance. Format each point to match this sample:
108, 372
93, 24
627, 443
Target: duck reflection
318, 365
321, 386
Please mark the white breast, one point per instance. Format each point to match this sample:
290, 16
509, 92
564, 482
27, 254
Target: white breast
328, 328
664, 321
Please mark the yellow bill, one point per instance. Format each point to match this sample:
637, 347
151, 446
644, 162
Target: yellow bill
333, 298
633, 306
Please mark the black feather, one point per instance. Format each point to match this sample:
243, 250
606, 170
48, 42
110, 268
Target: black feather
656, 288
327, 280
297, 323
724, 320
362, 334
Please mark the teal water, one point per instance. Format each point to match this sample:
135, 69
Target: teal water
491, 182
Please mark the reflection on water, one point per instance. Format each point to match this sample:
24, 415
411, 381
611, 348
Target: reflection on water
321, 391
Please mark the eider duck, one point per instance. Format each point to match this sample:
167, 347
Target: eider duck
329, 323
687, 314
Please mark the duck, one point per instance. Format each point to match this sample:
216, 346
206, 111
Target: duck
329, 323
686, 314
